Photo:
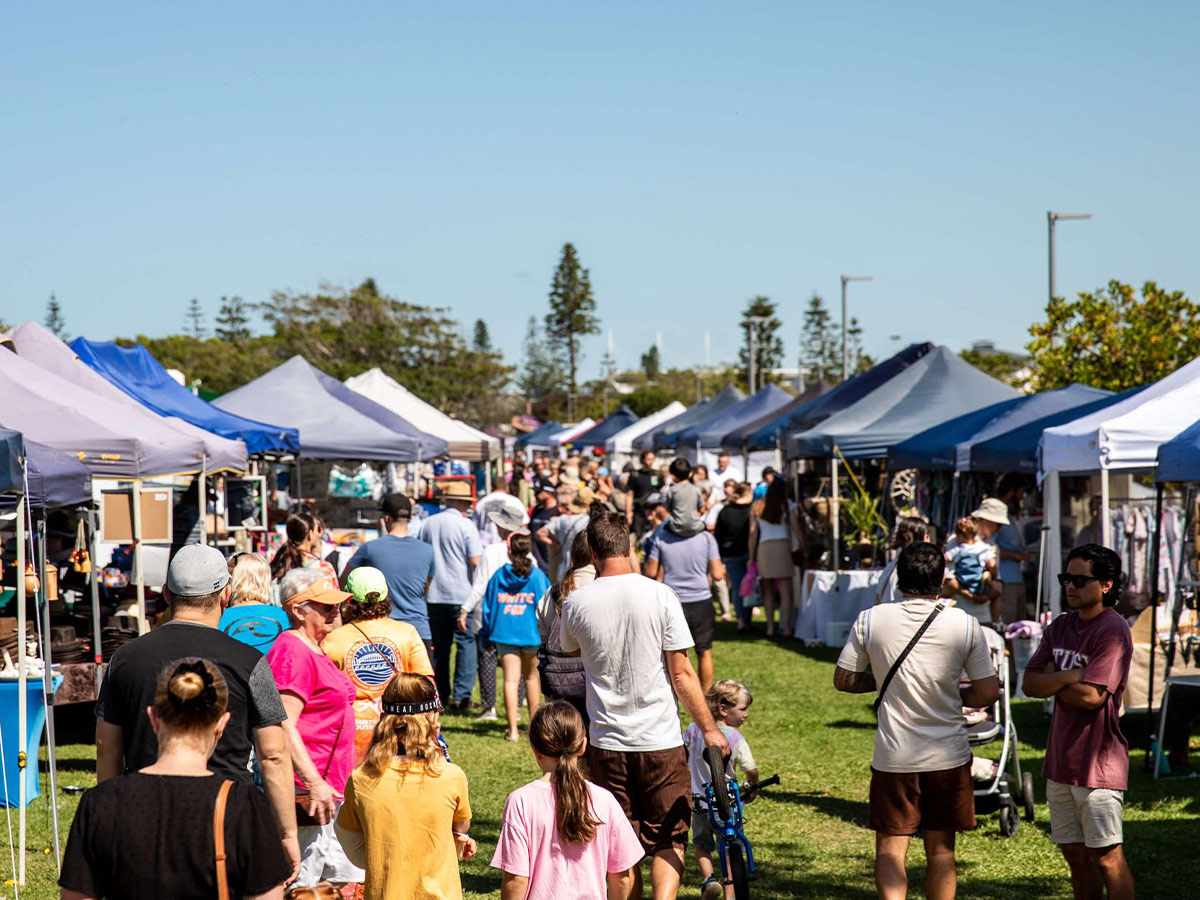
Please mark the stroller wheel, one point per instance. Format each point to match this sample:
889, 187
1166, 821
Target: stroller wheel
1027, 794
1010, 819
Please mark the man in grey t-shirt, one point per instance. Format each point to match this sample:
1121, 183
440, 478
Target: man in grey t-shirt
690, 566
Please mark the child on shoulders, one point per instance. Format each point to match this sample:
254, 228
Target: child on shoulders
685, 499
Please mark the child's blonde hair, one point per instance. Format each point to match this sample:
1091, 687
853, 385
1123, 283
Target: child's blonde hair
406, 739
249, 580
727, 693
964, 529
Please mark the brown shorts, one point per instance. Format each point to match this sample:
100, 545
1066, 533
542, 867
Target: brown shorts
905, 803
653, 788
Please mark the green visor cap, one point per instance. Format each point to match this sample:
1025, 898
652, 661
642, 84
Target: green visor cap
367, 585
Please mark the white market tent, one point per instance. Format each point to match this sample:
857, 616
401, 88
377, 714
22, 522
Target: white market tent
555, 441
465, 442
1124, 436
620, 445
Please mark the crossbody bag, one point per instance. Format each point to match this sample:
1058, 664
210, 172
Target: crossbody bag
887, 679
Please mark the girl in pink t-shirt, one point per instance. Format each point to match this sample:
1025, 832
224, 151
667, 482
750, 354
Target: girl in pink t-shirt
561, 835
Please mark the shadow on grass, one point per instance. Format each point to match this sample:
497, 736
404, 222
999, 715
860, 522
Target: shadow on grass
852, 811
70, 765
851, 723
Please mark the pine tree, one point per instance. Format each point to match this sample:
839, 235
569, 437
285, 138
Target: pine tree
652, 363
572, 313
858, 361
768, 347
541, 373
193, 323
56, 324
233, 321
817, 346
483, 338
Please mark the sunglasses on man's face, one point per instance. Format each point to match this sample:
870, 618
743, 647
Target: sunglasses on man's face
1079, 581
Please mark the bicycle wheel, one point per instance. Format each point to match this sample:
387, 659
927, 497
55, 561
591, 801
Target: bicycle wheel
716, 765
737, 872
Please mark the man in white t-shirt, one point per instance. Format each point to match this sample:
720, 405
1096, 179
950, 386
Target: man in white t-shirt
921, 768
633, 639
723, 471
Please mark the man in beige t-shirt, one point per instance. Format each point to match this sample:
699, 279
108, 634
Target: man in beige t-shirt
921, 768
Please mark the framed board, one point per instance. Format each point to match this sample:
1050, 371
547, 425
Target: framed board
116, 516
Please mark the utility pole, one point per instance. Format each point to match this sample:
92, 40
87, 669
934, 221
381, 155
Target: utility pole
845, 353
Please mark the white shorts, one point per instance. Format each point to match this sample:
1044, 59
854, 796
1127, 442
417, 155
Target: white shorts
322, 857
1082, 815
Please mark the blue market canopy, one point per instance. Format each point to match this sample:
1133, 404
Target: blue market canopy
12, 450
605, 428
689, 416
937, 387
540, 436
738, 439
835, 400
136, 372
948, 445
695, 415
1179, 458
710, 433
50, 477
330, 428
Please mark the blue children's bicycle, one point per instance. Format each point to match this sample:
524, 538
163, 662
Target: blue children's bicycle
724, 797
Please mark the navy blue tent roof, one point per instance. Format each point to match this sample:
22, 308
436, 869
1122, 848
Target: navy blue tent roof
948, 445
1179, 458
12, 449
605, 428
683, 420
845, 394
540, 436
738, 437
939, 386
136, 372
53, 478
695, 415
710, 432
1017, 450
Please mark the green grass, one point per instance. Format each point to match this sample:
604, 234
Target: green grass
809, 833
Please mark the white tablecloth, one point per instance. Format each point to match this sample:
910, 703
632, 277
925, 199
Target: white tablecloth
833, 597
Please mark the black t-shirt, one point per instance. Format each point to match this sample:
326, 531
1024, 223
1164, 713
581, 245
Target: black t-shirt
539, 517
151, 836
643, 483
128, 688
732, 530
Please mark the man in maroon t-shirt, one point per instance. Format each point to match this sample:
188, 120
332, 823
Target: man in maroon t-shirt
1083, 661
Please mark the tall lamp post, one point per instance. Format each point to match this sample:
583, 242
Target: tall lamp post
845, 352
1051, 218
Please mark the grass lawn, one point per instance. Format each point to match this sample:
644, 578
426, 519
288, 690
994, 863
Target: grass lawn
809, 833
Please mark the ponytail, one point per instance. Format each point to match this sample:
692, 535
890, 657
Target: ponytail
519, 546
290, 555
556, 731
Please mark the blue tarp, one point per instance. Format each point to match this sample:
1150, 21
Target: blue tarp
948, 445
540, 436
605, 428
939, 386
1017, 450
845, 394
136, 372
1179, 458
709, 433
695, 415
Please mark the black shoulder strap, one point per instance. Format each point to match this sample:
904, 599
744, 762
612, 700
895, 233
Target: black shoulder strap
941, 604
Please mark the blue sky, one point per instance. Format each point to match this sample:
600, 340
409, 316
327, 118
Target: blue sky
696, 154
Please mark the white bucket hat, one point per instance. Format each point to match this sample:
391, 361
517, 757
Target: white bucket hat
993, 509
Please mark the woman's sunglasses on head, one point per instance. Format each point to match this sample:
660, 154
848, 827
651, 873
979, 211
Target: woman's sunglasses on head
1078, 581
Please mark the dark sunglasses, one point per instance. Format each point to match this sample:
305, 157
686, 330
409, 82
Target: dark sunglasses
1077, 580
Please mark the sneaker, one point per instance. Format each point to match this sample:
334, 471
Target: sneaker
488, 715
712, 889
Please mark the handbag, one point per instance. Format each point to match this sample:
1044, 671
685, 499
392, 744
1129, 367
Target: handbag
749, 580
941, 604
219, 839
303, 816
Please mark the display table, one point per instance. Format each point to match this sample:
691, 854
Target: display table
35, 726
833, 597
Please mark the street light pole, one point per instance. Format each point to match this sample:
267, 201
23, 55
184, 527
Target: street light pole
1051, 218
845, 352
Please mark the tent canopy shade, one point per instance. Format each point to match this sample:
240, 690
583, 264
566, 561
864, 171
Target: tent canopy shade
696, 415
136, 372
710, 433
836, 399
645, 440
428, 446
937, 387
12, 451
38, 346
739, 439
598, 434
1179, 458
56, 478
948, 445
622, 441
569, 432
463, 441
329, 428
540, 436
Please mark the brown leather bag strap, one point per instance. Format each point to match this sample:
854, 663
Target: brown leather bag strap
219, 840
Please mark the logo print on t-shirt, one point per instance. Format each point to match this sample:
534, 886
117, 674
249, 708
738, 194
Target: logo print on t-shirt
373, 664
262, 631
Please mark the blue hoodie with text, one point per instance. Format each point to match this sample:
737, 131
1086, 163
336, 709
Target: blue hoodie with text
510, 607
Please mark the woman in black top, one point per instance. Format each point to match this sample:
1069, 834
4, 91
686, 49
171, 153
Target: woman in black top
149, 834
732, 532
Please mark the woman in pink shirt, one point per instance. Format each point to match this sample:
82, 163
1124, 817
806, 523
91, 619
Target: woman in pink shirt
561, 835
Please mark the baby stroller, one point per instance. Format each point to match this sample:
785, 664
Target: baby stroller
1000, 786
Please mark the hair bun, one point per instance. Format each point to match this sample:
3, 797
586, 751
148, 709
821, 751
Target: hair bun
192, 687
186, 685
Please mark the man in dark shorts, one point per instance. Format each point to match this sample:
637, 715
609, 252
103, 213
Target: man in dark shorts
642, 484
633, 640
921, 769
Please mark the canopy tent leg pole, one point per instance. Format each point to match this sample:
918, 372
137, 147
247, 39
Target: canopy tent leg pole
48, 695
834, 514
1155, 550
97, 643
1041, 573
137, 557
1052, 519
22, 700
201, 496
1103, 538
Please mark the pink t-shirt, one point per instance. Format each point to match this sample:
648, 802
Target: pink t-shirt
326, 724
529, 845
1086, 746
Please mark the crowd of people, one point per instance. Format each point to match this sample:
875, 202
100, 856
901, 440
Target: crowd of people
302, 707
